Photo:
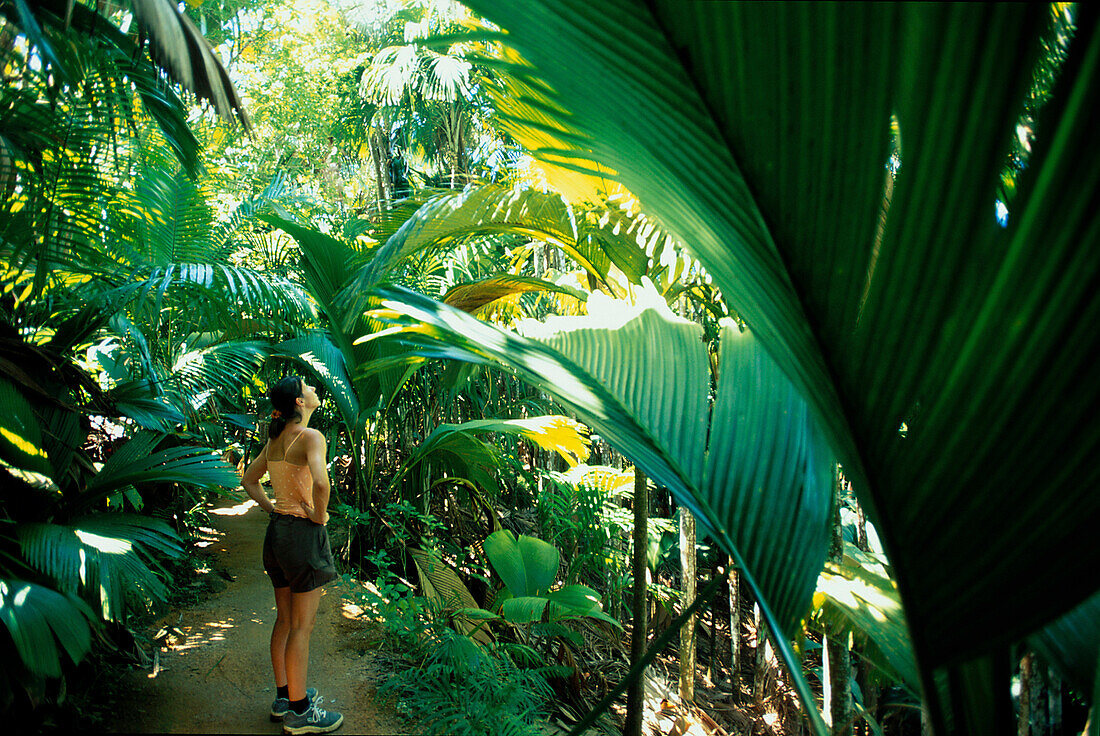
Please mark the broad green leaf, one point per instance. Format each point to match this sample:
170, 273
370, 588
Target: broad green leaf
136, 462
475, 296
555, 433
105, 556
466, 455
156, 414
326, 361
328, 263
527, 565
577, 600
858, 597
640, 376
38, 618
1072, 644
597, 240
525, 609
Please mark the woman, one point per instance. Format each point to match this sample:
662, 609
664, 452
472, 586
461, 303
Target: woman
297, 555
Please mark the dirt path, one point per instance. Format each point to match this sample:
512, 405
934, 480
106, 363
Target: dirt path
217, 677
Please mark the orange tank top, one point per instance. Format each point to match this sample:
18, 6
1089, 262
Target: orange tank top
291, 483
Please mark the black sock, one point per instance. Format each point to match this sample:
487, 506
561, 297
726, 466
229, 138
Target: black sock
300, 706
282, 692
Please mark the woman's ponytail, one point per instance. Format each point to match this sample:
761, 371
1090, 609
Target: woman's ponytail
283, 406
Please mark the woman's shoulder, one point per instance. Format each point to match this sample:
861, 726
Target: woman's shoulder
309, 434
305, 436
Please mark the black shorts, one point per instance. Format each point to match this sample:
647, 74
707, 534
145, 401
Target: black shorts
297, 553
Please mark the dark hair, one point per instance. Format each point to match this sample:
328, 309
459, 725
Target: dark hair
282, 396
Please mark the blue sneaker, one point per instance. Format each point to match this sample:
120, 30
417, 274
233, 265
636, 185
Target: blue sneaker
313, 720
281, 705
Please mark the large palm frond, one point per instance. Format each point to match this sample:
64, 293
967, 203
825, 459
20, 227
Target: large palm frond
177, 46
236, 299
207, 370
85, 50
319, 354
137, 462
596, 240
106, 557
946, 355
39, 618
327, 263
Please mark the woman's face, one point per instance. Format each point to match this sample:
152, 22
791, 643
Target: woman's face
309, 397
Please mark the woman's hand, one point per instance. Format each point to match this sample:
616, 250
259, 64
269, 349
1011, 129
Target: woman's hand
316, 518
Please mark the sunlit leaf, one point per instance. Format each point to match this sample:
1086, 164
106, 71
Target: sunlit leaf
20, 438
38, 619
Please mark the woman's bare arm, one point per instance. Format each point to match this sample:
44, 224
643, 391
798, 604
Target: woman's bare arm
251, 481
316, 455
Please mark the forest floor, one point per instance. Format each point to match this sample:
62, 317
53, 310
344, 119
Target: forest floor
211, 671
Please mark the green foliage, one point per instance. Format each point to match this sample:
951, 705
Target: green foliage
710, 456
461, 688
528, 568
104, 557
759, 135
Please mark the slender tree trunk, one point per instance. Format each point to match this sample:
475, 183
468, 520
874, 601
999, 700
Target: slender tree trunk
837, 665
380, 152
687, 634
1054, 701
1023, 723
711, 669
735, 633
838, 688
925, 721
1040, 717
760, 669
635, 696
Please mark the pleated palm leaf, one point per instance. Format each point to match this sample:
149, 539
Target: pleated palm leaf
105, 558
946, 356
176, 47
429, 98
328, 351
596, 239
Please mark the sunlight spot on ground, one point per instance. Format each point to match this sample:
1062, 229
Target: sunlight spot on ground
203, 544
209, 633
352, 610
237, 510
221, 625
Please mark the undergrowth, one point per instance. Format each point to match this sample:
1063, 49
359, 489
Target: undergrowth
452, 684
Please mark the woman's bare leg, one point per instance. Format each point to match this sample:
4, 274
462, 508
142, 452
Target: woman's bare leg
279, 635
303, 614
